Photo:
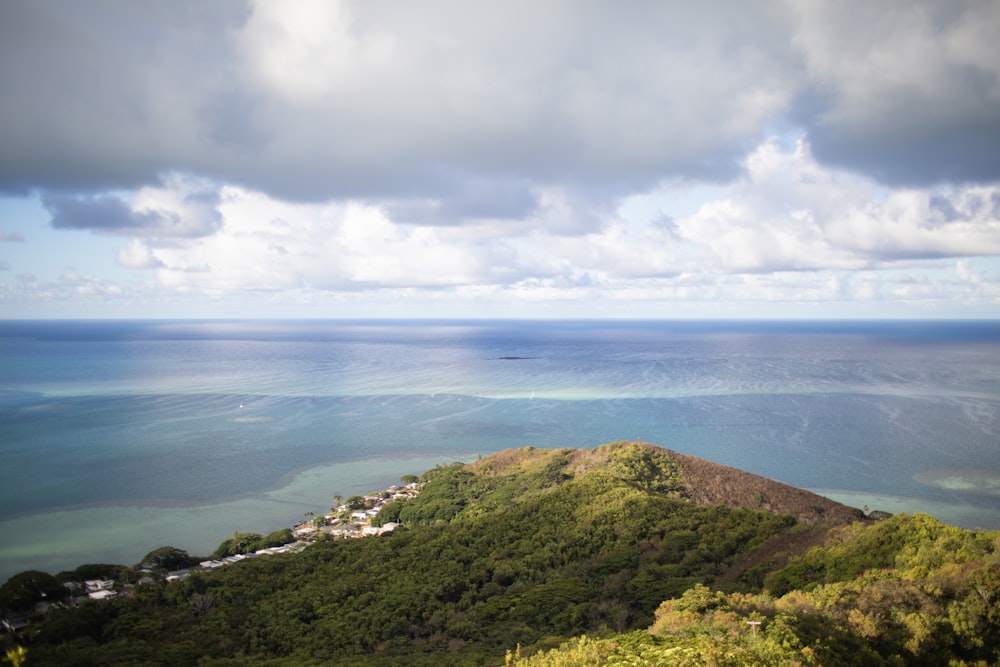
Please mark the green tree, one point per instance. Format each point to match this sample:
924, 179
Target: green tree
389, 513
239, 543
24, 590
94, 571
168, 558
276, 539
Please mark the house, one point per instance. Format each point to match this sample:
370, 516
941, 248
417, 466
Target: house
269, 551
304, 529
95, 585
102, 594
373, 530
15, 622
210, 564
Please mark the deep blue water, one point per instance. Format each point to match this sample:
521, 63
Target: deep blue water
112, 414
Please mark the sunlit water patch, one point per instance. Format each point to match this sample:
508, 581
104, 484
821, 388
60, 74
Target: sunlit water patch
970, 481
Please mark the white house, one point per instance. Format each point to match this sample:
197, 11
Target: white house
102, 594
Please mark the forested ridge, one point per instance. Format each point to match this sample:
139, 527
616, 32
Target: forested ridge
623, 554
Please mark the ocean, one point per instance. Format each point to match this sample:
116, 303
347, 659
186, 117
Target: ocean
118, 437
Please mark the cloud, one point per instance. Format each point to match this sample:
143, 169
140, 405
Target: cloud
788, 216
777, 150
906, 93
71, 287
104, 213
108, 96
138, 256
270, 245
474, 200
13, 237
181, 207
338, 100
790, 213
471, 108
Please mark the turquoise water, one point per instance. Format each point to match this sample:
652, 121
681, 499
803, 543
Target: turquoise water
118, 437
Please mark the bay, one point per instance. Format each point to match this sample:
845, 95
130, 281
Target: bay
120, 436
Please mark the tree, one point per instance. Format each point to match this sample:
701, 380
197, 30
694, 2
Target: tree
355, 503
23, 591
94, 571
239, 543
167, 558
389, 513
276, 539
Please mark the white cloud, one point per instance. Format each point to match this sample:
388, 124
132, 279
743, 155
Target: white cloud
788, 231
271, 245
790, 213
138, 255
307, 50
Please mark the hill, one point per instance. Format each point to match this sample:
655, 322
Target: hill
628, 544
906, 591
703, 482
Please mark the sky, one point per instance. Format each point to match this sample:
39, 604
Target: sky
521, 159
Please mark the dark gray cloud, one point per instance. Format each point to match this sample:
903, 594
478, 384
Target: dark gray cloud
913, 146
454, 111
473, 199
108, 95
907, 93
109, 214
102, 213
372, 101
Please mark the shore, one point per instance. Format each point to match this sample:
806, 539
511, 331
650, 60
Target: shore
64, 539
963, 516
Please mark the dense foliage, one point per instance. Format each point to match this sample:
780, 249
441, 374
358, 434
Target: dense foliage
908, 590
530, 548
244, 543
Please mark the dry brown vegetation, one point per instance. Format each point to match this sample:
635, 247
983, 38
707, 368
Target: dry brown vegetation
709, 483
705, 483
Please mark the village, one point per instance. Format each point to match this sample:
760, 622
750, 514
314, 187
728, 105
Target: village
349, 520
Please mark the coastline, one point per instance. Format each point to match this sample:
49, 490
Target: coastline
963, 516
64, 539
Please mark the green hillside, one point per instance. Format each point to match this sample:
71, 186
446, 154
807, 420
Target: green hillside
907, 591
639, 550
